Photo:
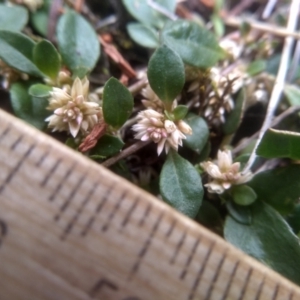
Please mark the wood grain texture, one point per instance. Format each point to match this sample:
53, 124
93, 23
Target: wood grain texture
70, 229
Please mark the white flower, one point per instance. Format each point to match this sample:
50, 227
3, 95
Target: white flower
72, 110
152, 125
32, 5
224, 173
152, 100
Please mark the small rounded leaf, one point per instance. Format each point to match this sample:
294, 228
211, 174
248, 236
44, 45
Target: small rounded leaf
39, 90
166, 74
196, 45
243, 195
180, 112
46, 58
13, 18
78, 42
180, 185
107, 145
143, 35
199, 138
117, 103
16, 50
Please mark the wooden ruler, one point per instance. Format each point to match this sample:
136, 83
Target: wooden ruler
70, 229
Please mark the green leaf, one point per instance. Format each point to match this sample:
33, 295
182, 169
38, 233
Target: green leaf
180, 112
278, 143
46, 58
209, 216
243, 195
13, 18
241, 214
234, 118
145, 14
40, 90
117, 103
199, 138
278, 187
196, 45
256, 67
78, 42
180, 185
143, 35
39, 18
16, 50
294, 219
107, 145
292, 93
166, 74
269, 239
30, 109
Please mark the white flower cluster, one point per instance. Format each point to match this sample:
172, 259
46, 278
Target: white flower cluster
224, 173
153, 125
73, 112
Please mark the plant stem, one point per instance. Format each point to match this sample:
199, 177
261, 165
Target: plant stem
278, 31
279, 82
126, 152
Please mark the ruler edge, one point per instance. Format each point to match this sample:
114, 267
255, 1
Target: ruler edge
40, 137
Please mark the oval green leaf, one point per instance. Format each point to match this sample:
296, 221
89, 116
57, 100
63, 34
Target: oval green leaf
46, 58
179, 112
199, 138
180, 185
268, 238
166, 74
78, 42
28, 108
39, 18
256, 67
241, 214
196, 45
278, 143
107, 145
117, 103
16, 50
243, 195
278, 187
292, 94
145, 14
13, 18
39, 90
143, 35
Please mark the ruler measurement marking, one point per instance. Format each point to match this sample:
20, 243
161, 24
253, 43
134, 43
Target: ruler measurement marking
172, 226
16, 168
42, 158
274, 297
129, 213
189, 259
291, 296
113, 212
16, 143
85, 201
245, 283
68, 201
144, 217
51, 172
92, 219
216, 275
100, 284
5, 132
259, 290
146, 246
61, 183
3, 231
200, 272
232, 274
178, 246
